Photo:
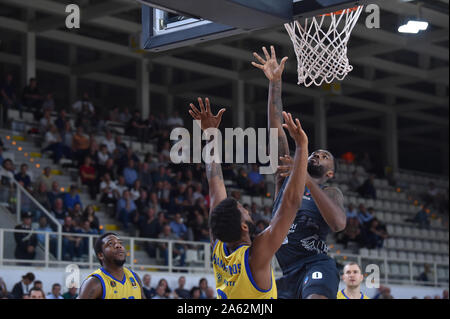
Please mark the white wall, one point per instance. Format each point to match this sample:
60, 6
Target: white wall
58, 275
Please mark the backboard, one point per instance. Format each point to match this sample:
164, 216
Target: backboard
170, 24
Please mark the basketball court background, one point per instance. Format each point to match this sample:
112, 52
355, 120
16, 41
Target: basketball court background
393, 105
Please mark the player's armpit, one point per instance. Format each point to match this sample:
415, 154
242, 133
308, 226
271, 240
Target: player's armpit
91, 289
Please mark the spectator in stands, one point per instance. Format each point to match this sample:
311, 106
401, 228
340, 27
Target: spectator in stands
366, 162
108, 168
383, 293
426, 275
89, 215
260, 226
37, 284
431, 195
150, 227
121, 186
23, 178
3, 290
178, 227
154, 201
32, 98
367, 189
25, 242
145, 176
108, 190
67, 137
86, 230
46, 178
124, 160
351, 212
125, 116
136, 127
203, 285
167, 291
422, 218
109, 142
135, 190
178, 250
364, 216
181, 292
242, 180
6, 180
1, 154
8, 98
126, 209
54, 193
175, 120
256, 181
80, 145
114, 114
61, 121
102, 155
48, 103
56, 292
149, 291
199, 228
44, 227
195, 292
70, 244
45, 123
121, 148
142, 201
375, 235
58, 211
353, 182
85, 101
36, 293
76, 214
40, 194
445, 294
130, 173
71, 198
23, 286
161, 175
210, 293
89, 177
351, 233
71, 293
160, 293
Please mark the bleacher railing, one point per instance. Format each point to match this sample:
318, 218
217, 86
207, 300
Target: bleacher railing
193, 257
25, 202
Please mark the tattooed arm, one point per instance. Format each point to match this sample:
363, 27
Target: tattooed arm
91, 289
217, 191
273, 72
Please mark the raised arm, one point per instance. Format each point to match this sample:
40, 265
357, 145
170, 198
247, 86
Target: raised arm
273, 72
217, 190
269, 241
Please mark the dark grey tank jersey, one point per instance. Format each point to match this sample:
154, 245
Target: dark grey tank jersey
306, 237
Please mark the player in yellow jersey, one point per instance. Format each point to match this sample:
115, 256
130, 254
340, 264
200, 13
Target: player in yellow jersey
241, 260
352, 278
112, 280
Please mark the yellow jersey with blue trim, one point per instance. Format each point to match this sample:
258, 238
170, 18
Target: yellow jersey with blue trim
341, 295
113, 288
233, 275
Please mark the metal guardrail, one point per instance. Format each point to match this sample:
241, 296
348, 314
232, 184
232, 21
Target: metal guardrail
19, 191
201, 263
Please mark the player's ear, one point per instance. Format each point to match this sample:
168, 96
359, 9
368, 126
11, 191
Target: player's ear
330, 174
244, 226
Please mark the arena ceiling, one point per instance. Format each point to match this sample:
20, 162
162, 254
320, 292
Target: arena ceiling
395, 74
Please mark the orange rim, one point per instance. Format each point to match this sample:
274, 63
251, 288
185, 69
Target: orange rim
340, 11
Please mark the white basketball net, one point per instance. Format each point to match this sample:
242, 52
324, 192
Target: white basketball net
321, 53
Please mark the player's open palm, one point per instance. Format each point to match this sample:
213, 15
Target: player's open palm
205, 116
295, 130
270, 66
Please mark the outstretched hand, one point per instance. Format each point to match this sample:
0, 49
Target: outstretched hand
205, 116
270, 66
295, 130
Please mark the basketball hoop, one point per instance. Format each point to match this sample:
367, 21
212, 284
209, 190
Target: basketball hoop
322, 54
